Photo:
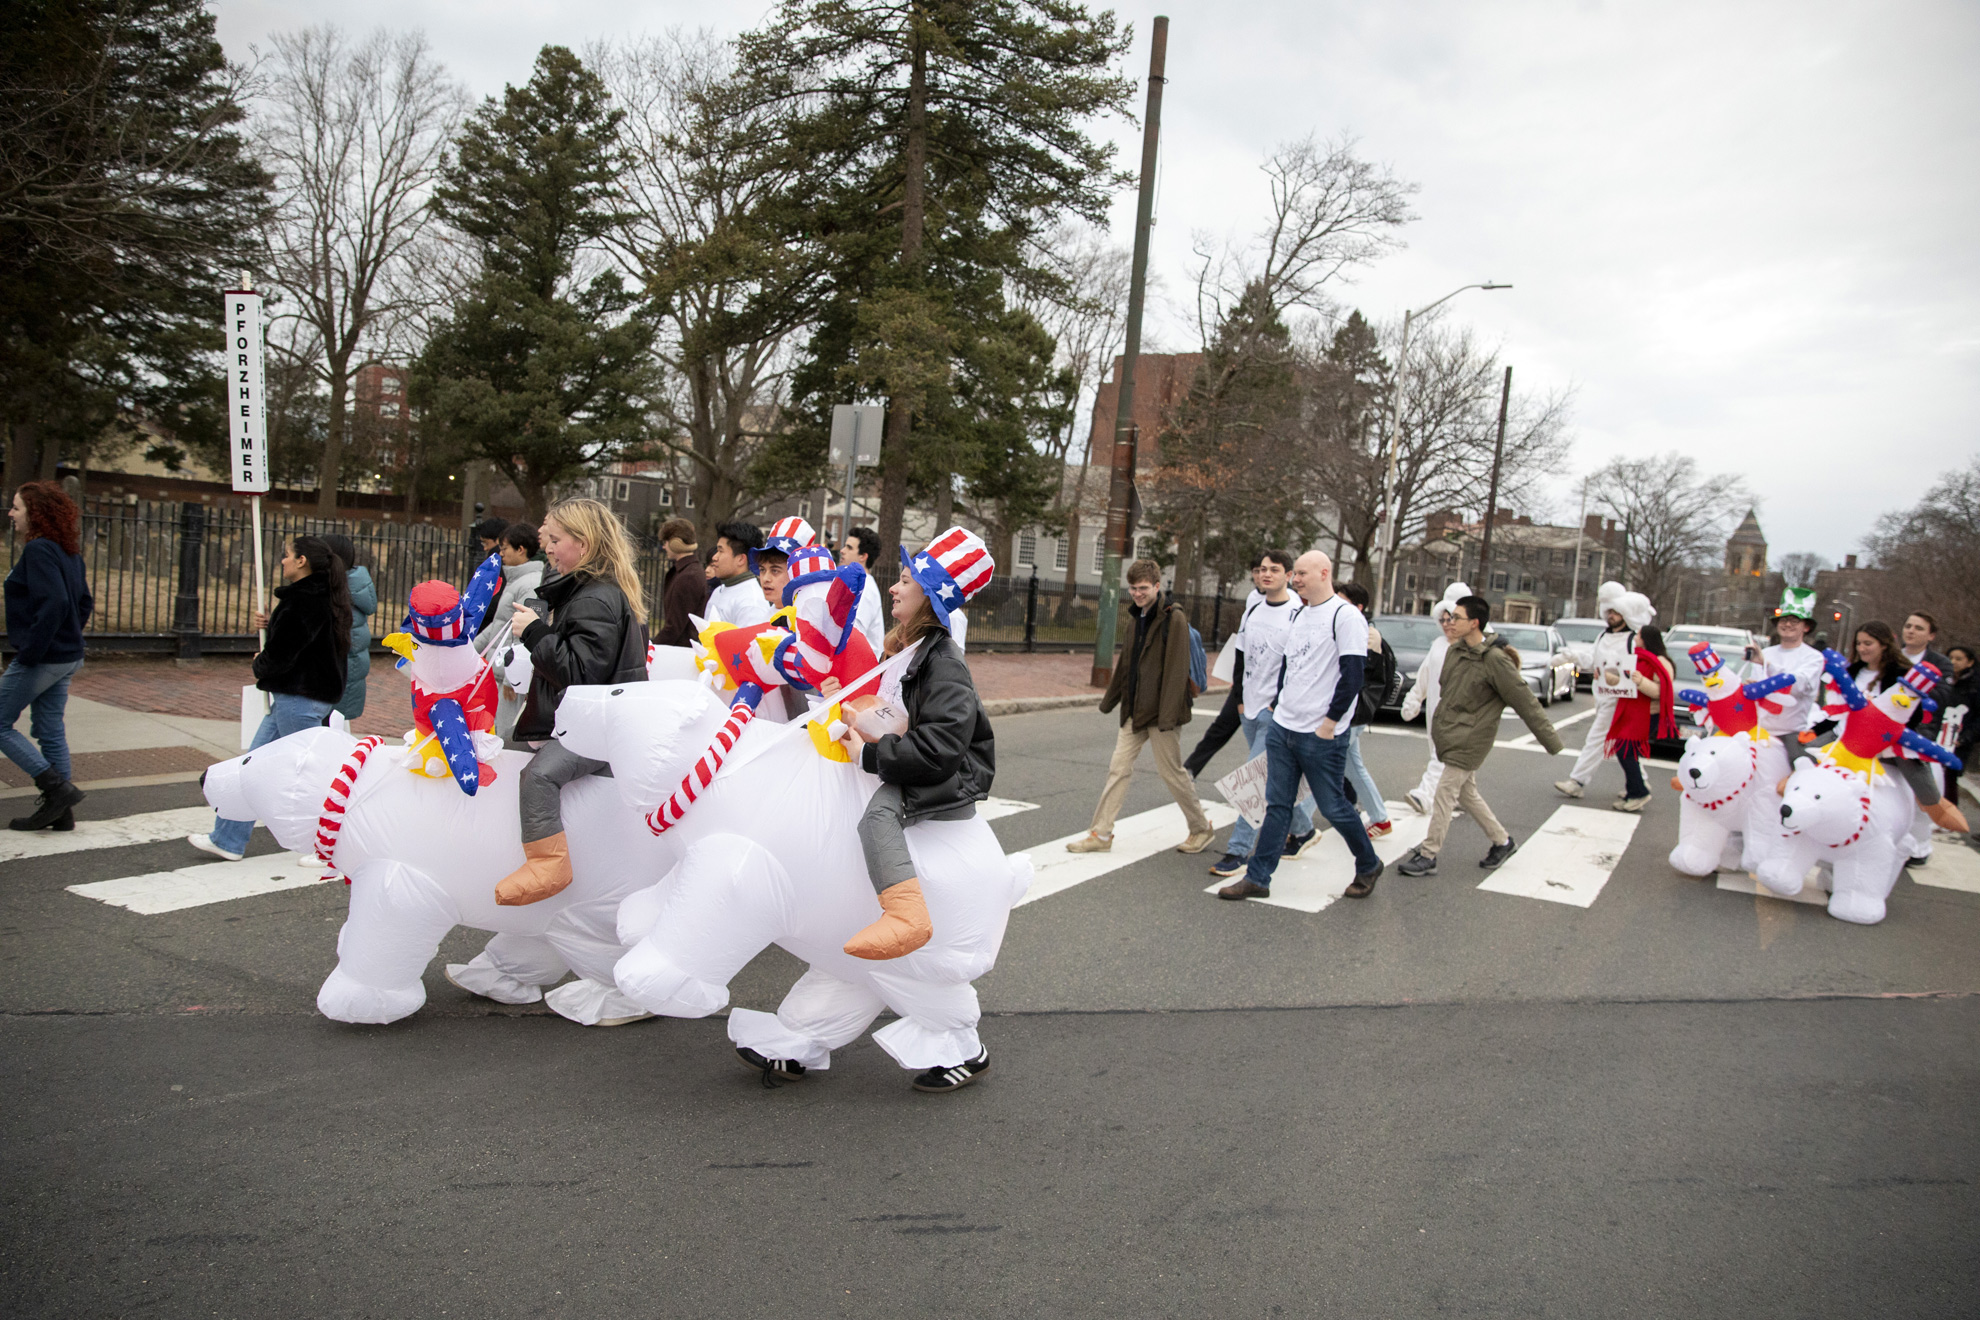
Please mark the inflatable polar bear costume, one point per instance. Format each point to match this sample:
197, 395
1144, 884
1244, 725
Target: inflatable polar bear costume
770, 855
423, 857
1728, 786
1835, 815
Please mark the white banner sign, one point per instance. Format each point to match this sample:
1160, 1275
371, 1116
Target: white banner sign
1244, 788
247, 395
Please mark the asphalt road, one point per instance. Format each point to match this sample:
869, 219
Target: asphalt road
1677, 1101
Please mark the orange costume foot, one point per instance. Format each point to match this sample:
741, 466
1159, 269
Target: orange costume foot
545, 874
903, 926
1946, 816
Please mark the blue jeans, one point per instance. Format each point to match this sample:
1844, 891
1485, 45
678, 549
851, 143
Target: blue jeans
46, 689
1244, 834
291, 714
1365, 786
1322, 763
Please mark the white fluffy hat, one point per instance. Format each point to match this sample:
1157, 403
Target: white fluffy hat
1635, 608
1452, 595
1608, 594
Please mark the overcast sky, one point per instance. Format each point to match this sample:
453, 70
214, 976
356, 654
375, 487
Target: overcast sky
1747, 232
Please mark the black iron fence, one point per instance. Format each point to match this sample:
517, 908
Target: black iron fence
179, 577
1035, 614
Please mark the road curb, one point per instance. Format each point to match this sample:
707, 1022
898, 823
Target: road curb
1026, 705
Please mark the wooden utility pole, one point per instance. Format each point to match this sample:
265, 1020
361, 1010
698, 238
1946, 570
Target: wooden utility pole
1492, 491
1120, 524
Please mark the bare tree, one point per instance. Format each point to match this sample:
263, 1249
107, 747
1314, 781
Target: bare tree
1086, 315
356, 134
1331, 211
1800, 568
1675, 518
734, 298
1931, 550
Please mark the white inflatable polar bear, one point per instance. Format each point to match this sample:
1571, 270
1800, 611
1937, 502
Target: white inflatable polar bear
423, 857
1728, 786
1831, 814
770, 855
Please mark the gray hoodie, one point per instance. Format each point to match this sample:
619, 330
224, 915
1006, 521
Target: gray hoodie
518, 583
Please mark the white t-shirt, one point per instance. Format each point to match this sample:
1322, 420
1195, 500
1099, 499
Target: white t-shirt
958, 629
1317, 637
740, 603
1262, 638
1798, 702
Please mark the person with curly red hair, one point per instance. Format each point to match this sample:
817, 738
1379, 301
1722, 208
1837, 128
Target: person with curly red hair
48, 602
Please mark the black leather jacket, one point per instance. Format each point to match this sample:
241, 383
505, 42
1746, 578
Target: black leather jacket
947, 758
592, 638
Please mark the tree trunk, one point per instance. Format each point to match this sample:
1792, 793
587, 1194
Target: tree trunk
328, 471
23, 453
1071, 593
895, 460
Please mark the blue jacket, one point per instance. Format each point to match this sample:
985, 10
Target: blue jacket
48, 602
364, 602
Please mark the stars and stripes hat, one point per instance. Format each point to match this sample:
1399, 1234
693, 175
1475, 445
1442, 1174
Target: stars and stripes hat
1705, 659
1922, 678
811, 564
955, 566
435, 616
787, 536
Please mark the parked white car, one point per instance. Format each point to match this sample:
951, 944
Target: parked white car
1580, 635
1544, 660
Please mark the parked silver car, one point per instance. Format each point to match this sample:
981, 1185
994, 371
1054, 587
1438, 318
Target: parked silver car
1544, 660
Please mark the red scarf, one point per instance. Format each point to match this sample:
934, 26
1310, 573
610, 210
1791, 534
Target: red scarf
1630, 729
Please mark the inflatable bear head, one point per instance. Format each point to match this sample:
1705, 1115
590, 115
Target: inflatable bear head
1826, 804
1713, 772
282, 784
650, 733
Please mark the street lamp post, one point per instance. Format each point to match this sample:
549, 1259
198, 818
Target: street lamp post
1389, 539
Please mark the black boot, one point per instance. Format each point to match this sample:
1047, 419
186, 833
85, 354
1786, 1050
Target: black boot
58, 797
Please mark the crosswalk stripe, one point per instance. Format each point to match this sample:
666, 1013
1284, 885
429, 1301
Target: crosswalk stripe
196, 886
1312, 883
146, 827
1136, 838
997, 808
1739, 882
1568, 859
1953, 865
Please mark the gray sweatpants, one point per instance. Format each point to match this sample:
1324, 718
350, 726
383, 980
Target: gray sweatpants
883, 837
540, 794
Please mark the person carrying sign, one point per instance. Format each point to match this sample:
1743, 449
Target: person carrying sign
1626, 613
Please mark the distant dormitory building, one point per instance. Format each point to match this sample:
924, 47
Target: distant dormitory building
1532, 577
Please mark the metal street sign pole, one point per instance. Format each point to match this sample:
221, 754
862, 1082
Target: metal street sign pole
1121, 490
856, 432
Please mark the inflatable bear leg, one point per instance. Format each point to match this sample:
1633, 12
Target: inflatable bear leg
587, 936
820, 1014
398, 918
1864, 881
728, 900
937, 1026
510, 969
1701, 841
1786, 866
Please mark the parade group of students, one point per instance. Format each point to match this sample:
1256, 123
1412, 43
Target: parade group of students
1312, 669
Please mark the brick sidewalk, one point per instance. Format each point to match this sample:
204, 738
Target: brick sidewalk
211, 689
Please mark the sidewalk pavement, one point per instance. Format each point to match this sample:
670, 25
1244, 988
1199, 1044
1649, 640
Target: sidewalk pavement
151, 720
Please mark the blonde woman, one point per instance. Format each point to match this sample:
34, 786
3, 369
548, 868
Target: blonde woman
595, 632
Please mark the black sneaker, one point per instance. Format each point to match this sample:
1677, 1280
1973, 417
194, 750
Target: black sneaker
1498, 852
1417, 863
1232, 864
1913, 863
953, 1079
775, 1071
1297, 844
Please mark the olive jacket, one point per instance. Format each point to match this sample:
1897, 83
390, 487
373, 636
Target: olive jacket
1477, 683
1151, 673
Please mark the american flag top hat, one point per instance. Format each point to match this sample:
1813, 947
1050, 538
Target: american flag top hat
1705, 660
786, 536
437, 615
1921, 678
955, 566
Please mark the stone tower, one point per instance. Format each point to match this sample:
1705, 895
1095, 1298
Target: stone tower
1746, 548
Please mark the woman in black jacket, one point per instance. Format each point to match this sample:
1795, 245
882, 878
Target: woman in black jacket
595, 633
48, 602
1376, 678
301, 666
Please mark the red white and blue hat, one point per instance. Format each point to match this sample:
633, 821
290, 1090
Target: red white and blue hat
787, 536
1705, 660
812, 563
955, 566
1922, 678
437, 615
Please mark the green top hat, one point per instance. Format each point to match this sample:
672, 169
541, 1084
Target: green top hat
1797, 601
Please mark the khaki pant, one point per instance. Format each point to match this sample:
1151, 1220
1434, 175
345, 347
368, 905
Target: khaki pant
1167, 746
1459, 788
